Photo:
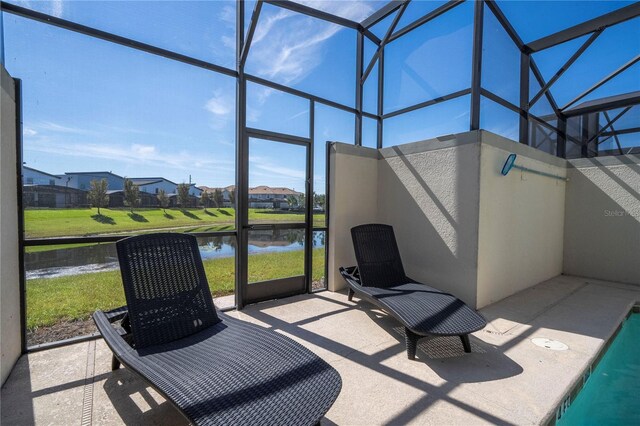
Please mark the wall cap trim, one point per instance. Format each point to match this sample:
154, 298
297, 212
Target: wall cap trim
608, 161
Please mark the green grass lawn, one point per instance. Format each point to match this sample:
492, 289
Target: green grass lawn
43, 223
53, 300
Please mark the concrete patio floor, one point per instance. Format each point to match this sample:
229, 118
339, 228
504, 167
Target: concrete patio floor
506, 380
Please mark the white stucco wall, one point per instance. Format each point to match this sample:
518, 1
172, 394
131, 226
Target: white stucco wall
353, 198
9, 268
602, 221
521, 222
429, 193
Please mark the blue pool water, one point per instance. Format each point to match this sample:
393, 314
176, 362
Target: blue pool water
611, 396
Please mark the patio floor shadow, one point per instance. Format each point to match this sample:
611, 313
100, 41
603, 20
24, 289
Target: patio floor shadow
505, 380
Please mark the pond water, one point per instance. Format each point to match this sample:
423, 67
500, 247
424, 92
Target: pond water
102, 257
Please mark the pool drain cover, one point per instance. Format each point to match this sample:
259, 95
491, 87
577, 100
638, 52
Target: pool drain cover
554, 345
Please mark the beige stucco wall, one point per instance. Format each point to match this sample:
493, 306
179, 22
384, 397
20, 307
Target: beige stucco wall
353, 197
521, 229
429, 193
9, 283
464, 228
602, 225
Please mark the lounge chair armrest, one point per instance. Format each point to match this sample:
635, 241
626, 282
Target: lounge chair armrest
112, 335
350, 273
116, 314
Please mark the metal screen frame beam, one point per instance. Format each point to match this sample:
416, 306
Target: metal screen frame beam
308, 232
565, 66
497, 99
314, 13
523, 128
22, 278
610, 122
325, 16
428, 103
296, 92
613, 104
384, 41
104, 35
615, 135
606, 79
561, 147
476, 64
540, 79
426, 18
380, 100
359, 87
242, 162
607, 20
252, 29
382, 13
506, 24
621, 131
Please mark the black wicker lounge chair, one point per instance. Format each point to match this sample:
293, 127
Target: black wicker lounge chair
379, 279
215, 369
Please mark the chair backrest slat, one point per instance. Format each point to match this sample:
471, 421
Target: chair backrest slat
377, 255
166, 288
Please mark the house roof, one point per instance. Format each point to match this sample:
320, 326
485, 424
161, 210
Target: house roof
211, 188
263, 189
94, 173
144, 181
41, 172
150, 180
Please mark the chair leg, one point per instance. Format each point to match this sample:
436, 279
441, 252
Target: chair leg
115, 363
465, 343
412, 343
350, 295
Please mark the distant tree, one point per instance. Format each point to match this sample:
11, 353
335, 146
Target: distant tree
183, 195
163, 200
292, 200
98, 194
301, 201
319, 200
205, 200
131, 194
218, 198
232, 198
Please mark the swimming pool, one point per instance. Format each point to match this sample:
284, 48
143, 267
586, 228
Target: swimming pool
611, 395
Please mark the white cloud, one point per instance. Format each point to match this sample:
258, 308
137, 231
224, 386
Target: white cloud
222, 108
55, 127
27, 131
355, 10
228, 15
136, 154
266, 164
57, 8
282, 171
143, 150
219, 104
289, 51
267, 22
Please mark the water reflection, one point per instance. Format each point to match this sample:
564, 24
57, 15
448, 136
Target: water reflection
102, 257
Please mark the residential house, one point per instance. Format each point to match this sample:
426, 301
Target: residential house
82, 180
266, 197
153, 185
194, 190
31, 176
42, 189
226, 193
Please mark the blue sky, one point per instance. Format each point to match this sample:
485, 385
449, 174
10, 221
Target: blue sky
91, 105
